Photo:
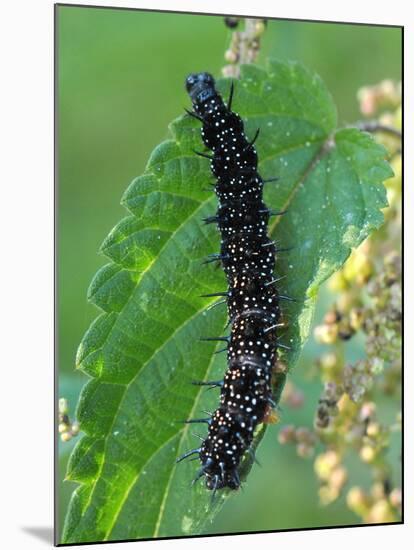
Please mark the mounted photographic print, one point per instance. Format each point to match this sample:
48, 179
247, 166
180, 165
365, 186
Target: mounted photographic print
228, 274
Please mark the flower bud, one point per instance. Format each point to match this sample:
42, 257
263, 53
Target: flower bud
63, 406
373, 429
231, 56
325, 463
337, 282
367, 453
396, 498
367, 411
326, 334
381, 512
286, 434
260, 27
305, 450
357, 501
327, 494
356, 317
75, 428
338, 477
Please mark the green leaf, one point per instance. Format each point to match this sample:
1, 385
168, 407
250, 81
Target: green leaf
144, 349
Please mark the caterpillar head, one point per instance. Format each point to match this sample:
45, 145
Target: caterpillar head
200, 86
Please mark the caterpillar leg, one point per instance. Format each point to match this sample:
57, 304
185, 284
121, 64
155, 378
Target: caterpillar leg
230, 100
251, 143
216, 339
201, 154
194, 115
197, 421
214, 294
212, 384
187, 454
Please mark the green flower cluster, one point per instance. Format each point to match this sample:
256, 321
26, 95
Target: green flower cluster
367, 292
66, 428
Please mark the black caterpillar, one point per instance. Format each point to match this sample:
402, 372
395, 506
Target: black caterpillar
248, 258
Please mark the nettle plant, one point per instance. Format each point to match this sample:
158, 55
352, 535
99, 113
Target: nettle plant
143, 351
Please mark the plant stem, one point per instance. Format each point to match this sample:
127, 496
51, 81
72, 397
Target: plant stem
244, 46
374, 126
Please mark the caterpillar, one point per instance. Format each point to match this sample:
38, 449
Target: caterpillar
247, 256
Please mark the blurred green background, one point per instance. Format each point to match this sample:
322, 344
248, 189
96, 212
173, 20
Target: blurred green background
120, 82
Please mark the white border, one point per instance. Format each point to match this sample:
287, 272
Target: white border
26, 217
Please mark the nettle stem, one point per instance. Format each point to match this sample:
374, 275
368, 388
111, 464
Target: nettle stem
244, 45
375, 126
